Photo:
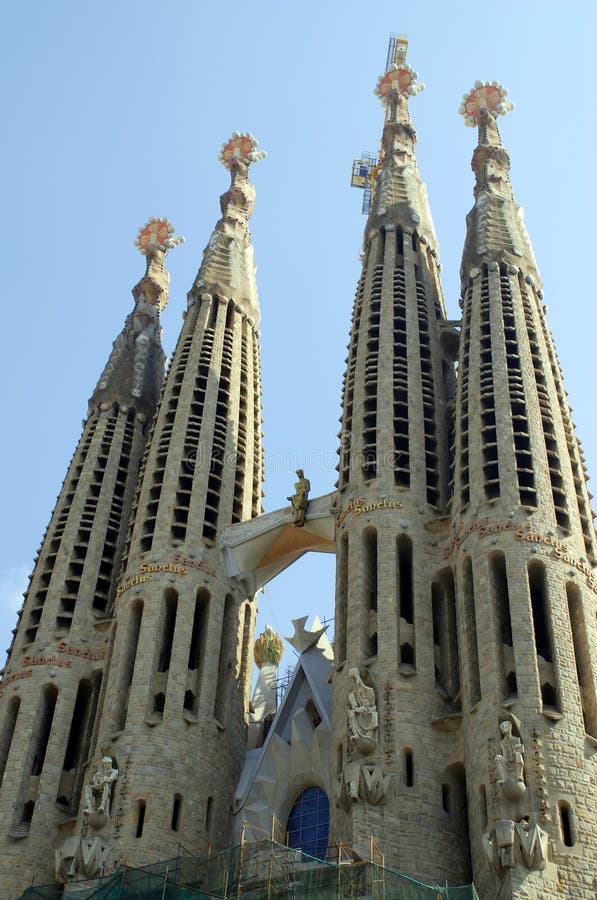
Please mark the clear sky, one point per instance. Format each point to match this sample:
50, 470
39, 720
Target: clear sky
116, 111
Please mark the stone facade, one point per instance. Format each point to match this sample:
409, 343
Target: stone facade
456, 722
395, 604
523, 558
177, 694
54, 675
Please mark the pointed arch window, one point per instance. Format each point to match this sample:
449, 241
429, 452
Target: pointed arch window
308, 824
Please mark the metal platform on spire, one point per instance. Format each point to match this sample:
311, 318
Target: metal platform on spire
364, 169
361, 177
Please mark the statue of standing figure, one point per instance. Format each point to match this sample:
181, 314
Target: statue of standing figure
300, 499
98, 792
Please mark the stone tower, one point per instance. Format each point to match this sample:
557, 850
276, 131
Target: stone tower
395, 739
523, 553
176, 705
53, 676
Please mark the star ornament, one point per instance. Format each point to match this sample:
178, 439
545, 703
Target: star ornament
487, 97
397, 78
241, 146
158, 233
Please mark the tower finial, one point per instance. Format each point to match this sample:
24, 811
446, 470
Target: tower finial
227, 268
157, 234
242, 146
399, 78
398, 196
130, 373
495, 225
483, 100
153, 241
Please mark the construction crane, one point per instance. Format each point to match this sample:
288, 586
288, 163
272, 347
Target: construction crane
365, 169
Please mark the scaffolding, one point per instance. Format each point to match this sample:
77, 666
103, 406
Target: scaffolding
364, 170
260, 869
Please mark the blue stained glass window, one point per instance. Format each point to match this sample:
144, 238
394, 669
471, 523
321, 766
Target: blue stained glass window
309, 823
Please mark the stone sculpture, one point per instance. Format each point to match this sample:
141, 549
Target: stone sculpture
300, 499
362, 715
98, 792
510, 764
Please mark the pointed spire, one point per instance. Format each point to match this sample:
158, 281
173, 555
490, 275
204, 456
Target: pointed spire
495, 226
134, 371
228, 269
399, 195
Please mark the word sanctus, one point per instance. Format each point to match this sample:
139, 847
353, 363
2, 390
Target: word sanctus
482, 528
562, 552
178, 565
359, 506
47, 661
138, 579
83, 652
147, 571
193, 564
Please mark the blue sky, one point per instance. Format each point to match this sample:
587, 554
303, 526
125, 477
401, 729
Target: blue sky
116, 111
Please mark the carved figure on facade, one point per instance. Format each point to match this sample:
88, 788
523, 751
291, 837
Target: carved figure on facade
362, 715
98, 792
300, 499
516, 838
510, 764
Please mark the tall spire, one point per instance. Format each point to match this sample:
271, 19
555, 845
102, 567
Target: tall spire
180, 660
399, 195
394, 617
522, 611
55, 668
228, 268
135, 369
495, 225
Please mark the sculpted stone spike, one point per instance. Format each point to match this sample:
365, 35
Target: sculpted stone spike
303, 639
495, 226
131, 369
228, 268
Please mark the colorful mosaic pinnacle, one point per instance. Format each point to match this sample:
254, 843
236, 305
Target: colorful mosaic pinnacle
159, 234
268, 648
241, 146
487, 97
398, 79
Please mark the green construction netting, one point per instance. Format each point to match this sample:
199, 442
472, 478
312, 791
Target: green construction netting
259, 871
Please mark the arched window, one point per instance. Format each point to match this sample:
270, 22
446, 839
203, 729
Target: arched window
309, 823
